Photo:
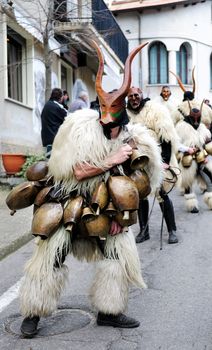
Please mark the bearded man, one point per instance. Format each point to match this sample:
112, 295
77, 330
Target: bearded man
158, 121
89, 151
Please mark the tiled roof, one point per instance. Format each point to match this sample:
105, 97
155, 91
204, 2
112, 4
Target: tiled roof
121, 5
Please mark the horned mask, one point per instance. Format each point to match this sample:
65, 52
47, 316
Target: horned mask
112, 105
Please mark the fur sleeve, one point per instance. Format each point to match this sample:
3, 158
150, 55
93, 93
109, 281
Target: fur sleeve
164, 126
69, 147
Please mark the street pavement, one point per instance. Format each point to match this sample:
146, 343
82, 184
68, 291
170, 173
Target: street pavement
175, 311
14, 230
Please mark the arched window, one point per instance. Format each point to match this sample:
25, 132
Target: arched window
211, 71
182, 64
158, 64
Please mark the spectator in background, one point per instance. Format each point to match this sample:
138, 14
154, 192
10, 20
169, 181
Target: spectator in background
80, 102
80, 96
52, 116
65, 99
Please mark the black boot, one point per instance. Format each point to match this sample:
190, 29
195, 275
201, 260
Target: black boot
120, 320
143, 214
29, 326
168, 212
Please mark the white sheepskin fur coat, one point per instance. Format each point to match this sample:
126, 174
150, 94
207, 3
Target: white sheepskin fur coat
171, 104
159, 123
80, 139
191, 138
185, 109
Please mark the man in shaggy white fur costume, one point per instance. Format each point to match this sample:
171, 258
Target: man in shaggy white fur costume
206, 111
195, 165
158, 121
88, 150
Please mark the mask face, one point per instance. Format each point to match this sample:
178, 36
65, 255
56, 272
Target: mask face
135, 97
111, 112
194, 119
165, 93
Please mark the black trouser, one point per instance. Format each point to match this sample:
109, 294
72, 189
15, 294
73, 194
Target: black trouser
168, 211
143, 215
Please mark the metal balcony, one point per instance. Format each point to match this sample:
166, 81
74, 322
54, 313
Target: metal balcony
92, 14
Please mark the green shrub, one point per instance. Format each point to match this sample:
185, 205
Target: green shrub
30, 160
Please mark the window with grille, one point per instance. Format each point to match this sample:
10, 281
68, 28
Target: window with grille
158, 64
182, 64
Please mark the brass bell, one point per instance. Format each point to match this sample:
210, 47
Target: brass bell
42, 196
208, 147
200, 156
87, 214
187, 160
110, 209
37, 171
99, 198
126, 222
72, 212
138, 160
47, 219
124, 194
22, 196
142, 182
99, 226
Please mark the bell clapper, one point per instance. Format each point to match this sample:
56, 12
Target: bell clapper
126, 215
69, 227
98, 211
12, 212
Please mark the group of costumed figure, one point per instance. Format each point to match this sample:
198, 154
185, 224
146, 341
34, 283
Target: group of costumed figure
193, 123
102, 168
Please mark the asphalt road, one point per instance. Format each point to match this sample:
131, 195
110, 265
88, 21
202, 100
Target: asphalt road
175, 311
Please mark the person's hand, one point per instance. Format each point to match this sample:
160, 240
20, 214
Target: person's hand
192, 150
165, 166
115, 228
120, 156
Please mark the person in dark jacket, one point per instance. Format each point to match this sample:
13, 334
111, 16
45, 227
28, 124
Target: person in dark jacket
65, 99
52, 116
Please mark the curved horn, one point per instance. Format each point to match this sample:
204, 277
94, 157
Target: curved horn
179, 81
193, 80
189, 106
127, 69
100, 72
201, 106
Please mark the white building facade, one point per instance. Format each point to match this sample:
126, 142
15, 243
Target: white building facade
22, 73
179, 34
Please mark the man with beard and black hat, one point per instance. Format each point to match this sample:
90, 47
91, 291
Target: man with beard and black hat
158, 121
87, 152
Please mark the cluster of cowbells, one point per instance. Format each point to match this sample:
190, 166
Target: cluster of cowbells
199, 156
116, 199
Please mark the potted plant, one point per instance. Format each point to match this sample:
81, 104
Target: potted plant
30, 160
13, 162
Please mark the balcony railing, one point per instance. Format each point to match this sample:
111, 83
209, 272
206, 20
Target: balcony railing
93, 12
106, 25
